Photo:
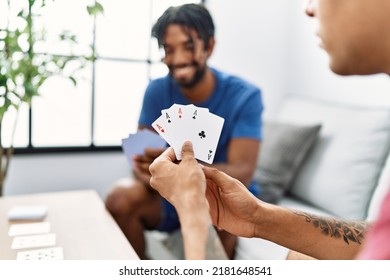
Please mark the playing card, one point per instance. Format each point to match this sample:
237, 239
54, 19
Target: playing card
54, 253
136, 143
27, 212
161, 128
33, 241
175, 121
194, 112
204, 133
181, 123
174, 116
30, 228
196, 124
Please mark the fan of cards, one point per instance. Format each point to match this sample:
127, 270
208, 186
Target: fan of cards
176, 125
182, 123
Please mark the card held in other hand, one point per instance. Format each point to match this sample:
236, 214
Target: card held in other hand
136, 143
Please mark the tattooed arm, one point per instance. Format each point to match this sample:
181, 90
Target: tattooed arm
234, 209
322, 237
315, 236
352, 231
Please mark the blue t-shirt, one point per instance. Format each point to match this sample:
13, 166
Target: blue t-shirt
233, 99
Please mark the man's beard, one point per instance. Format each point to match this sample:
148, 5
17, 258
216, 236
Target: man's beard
198, 76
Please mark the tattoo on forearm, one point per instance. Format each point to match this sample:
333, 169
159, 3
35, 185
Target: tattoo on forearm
214, 248
352, 231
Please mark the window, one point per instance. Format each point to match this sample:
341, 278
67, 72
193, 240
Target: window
105, 104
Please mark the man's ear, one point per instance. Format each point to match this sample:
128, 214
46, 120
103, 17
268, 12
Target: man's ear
210, 47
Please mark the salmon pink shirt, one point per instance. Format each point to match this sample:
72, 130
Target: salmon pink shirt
377, 246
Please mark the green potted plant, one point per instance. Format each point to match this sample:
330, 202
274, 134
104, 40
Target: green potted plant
23, 71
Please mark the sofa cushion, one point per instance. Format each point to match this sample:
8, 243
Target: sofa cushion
282, 153
380, 192
343, 169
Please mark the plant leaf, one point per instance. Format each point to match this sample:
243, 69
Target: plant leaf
4, 107
95, 9
73, 80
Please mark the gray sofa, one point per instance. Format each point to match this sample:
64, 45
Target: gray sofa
344, 172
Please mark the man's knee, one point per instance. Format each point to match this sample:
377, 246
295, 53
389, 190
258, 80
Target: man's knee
118, 201
126, 196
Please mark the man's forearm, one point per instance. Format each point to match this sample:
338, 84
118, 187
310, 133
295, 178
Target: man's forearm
199, 236
319, 237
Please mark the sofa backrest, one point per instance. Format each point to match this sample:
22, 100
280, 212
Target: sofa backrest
343, 169
380, 192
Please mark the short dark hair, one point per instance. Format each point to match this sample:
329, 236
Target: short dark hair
192, 16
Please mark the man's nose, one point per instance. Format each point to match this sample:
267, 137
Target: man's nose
310, 7
180, 57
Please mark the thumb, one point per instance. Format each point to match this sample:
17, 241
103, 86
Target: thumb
187, 151
215, 175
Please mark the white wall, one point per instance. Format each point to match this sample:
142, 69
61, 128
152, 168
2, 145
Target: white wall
251, 37
269, 42
273, 43
309, 74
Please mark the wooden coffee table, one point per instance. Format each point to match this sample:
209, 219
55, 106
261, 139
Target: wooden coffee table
83, 227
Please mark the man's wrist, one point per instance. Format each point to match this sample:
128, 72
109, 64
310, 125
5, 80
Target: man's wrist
191, 203
263, 219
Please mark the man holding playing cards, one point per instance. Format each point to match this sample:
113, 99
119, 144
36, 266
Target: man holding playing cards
356, 36
186, 33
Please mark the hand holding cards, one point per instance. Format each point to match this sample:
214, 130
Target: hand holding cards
182, 123
136, 143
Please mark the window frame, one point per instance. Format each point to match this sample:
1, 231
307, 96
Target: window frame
92, 148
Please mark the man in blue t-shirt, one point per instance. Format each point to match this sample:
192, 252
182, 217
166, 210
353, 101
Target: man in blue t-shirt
186, 34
